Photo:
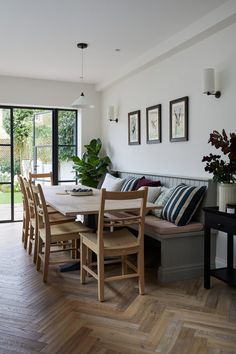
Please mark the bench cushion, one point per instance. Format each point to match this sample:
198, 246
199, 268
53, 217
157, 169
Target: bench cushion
159, 226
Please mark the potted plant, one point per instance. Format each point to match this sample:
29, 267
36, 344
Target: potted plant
223, 168
91, 167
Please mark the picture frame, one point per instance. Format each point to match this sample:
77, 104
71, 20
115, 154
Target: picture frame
179, 119
134, 127
153, 124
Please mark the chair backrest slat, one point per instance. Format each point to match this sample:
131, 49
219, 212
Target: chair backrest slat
34, 177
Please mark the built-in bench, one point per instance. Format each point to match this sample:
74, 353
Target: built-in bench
181, 247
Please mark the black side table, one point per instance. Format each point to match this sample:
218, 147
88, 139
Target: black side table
215, 219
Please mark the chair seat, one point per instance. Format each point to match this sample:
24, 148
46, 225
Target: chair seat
59, 218
114, 241
68, 230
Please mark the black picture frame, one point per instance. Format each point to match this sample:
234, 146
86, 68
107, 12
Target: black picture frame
134, 127
153, 124
179, 119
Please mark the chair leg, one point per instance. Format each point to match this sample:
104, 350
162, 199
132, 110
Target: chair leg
83, 251
39, 251
77, 246
140, 262
89, 259
36, 239
26, 232
31, 237
100, 261
23, 230
46, 262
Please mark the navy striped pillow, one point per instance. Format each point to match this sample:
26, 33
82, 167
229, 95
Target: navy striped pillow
182, 204
129, 184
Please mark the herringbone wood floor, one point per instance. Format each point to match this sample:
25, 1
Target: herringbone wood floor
65, 317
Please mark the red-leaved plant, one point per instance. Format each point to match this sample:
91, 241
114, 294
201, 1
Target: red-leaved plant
223, 170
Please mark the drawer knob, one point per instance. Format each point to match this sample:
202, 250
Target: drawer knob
219, 225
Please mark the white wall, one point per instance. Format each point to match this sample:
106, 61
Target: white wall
47, 93
177, 76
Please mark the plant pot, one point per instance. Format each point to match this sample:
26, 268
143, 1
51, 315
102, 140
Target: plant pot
226, 193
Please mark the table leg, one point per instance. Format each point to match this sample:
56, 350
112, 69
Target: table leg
230, 251
207, 257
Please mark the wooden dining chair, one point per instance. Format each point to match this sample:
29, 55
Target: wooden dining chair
54, 217
26, 216
120, 242
50, 235
38, 177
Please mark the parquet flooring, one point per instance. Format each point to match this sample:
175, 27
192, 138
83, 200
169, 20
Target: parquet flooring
64, 317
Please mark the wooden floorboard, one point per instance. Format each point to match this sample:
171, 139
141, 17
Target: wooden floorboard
66, 317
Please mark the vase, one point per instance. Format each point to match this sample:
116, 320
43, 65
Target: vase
226, 193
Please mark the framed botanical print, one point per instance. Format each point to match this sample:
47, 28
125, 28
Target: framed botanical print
179, 119
153, 117
134, 128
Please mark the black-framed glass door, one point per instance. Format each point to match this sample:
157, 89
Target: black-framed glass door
36, 140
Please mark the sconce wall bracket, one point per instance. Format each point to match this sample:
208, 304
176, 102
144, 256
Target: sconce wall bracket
217, 94
114, 120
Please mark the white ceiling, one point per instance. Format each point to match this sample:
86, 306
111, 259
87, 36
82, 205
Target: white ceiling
38, 37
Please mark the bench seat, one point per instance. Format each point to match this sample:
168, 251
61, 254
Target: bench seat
159, 226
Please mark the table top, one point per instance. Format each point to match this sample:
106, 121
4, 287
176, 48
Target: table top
215, 210
61, 200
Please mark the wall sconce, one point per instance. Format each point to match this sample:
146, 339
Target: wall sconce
113, 114
209, 83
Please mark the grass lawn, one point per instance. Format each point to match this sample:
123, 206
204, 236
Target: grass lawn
5, 198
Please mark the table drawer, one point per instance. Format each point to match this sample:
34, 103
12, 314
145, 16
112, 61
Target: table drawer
220, 223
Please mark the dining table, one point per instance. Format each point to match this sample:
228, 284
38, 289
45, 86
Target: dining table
60, 198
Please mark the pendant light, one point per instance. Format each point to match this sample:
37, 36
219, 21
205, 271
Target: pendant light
81, 102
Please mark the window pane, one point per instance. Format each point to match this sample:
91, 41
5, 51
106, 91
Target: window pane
5, 126
43, 128
66, 127
5, 201
65, 170
5, 164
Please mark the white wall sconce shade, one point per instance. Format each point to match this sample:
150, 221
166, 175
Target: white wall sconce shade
113, 114
209, 83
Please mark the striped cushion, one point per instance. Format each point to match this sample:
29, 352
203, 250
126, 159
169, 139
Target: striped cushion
182, 204
129, 184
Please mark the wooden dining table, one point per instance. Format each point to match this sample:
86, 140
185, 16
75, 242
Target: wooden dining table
59, 198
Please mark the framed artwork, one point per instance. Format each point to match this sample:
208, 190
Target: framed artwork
134, 128
153, 117
179, 119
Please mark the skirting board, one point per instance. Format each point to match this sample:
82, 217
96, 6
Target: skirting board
172, 274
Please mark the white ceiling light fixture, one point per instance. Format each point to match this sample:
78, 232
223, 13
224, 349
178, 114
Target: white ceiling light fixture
82, 102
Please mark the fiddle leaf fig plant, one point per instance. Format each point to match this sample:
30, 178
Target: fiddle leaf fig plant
91, 167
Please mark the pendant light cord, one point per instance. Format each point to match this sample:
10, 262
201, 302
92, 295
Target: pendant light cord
82, 65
